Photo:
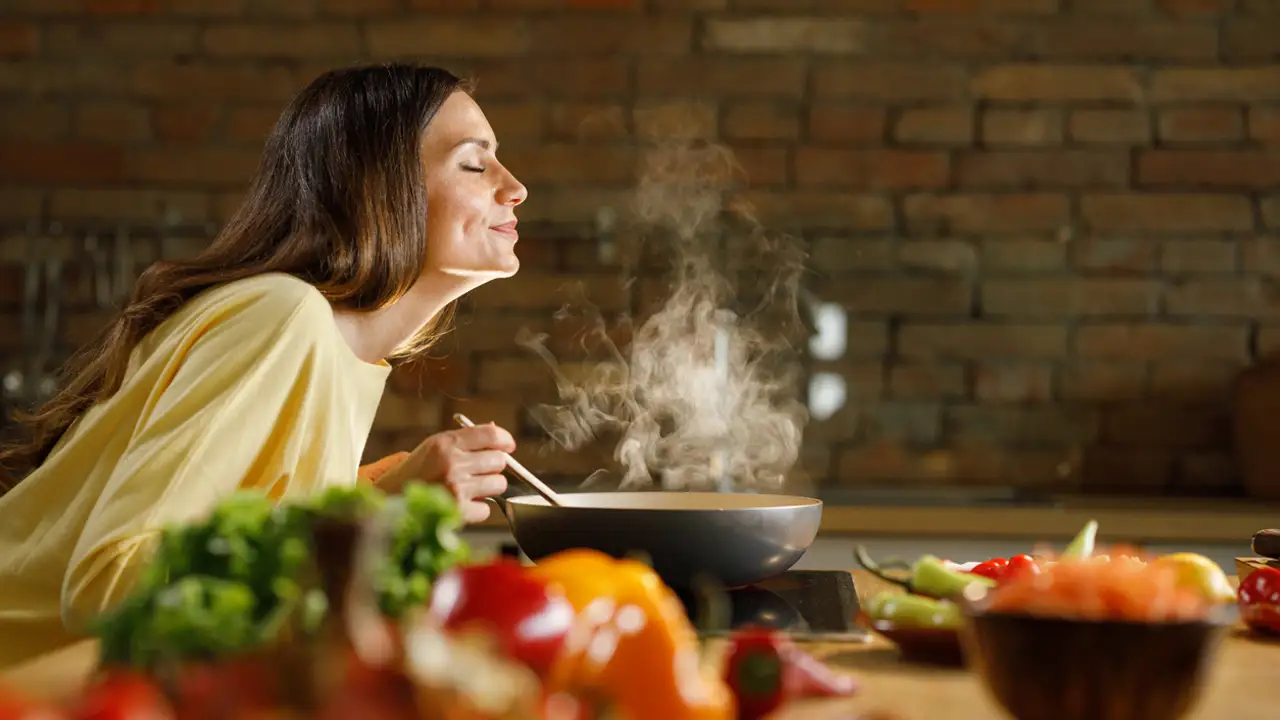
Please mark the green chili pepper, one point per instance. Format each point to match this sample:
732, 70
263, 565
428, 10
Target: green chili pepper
929, 576
1081, 546
913, 611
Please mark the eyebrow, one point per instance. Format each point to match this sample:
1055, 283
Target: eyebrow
477, 141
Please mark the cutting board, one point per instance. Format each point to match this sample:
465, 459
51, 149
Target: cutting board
1246, 565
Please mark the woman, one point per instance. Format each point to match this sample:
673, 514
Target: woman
259, 364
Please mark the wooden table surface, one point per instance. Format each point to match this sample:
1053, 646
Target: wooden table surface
1243, 682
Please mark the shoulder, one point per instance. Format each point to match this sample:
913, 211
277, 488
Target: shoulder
264, 310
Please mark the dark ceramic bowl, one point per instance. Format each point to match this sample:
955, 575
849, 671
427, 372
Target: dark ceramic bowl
928, 646
1042, 668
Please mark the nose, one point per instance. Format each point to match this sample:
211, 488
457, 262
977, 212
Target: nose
511, 192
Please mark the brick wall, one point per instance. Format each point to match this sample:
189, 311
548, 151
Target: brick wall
1048, 219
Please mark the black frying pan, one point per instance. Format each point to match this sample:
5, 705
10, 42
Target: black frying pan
735, 539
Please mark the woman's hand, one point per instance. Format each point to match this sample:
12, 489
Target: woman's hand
468, 461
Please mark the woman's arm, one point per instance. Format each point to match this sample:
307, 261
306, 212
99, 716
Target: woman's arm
250, 400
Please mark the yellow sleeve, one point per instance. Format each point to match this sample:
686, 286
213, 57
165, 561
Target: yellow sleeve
250, 400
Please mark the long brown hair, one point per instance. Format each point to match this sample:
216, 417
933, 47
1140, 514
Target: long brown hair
337, 201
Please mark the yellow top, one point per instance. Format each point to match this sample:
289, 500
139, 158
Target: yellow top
248, 385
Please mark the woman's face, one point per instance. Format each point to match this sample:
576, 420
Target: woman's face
471, 197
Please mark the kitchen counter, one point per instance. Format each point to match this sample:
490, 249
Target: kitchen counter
1240, 684
1126, 520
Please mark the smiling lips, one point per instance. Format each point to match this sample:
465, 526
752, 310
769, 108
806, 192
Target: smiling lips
508, 229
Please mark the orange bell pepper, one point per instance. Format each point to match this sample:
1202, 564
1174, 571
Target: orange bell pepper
632, 648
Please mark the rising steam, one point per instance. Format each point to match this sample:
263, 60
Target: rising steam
704, 396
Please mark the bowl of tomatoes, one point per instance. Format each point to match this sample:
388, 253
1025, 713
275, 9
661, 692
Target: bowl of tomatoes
1099, 638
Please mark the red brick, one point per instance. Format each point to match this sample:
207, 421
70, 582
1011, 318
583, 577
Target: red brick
1021, 255
22, 204
721, 77
761, 121
448, 36
563, 121
122, 39
981, 340
837, 255
1057, 83
1118, 471
871, 169
297, 9
786, 34
1154, 341
763, 166
1021, 127
1070, 298
940, 125
561, 163
35, 120
1198, 256
1195, 7
203, 166
1209, 168
1110, 127
1241, 298
665, 121
360, 7
985, 213
1202, 124
184, 123
1169, 212
250, 124
1264, 124
1115, 255
1216, 84
126, 204
568, 204
282, 41
18, 39
1012, 382
961, 7
532, 291
71, 162
1127, 40
927, 380
903, 296
953, 257
213, 83
888, 81
1164, 426
1193, 380
525, 79
817, 209
1270, 207
1101, 381
115, 122
121, 7
1261, 256
596, 35
850, 124
1035, 169
205, 8
976, 37
1249, 40
44, 7
1111, 7
857, 7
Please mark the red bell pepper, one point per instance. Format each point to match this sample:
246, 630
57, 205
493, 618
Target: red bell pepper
1259, 600
527, 619
766, 670
123, 695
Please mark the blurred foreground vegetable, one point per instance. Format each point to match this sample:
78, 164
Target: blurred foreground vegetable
1259, 600
233, 581
632, 653
766, 671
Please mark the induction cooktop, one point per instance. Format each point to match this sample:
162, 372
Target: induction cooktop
803, 604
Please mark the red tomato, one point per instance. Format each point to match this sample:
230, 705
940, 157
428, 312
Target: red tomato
1259, 600
1019, 564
